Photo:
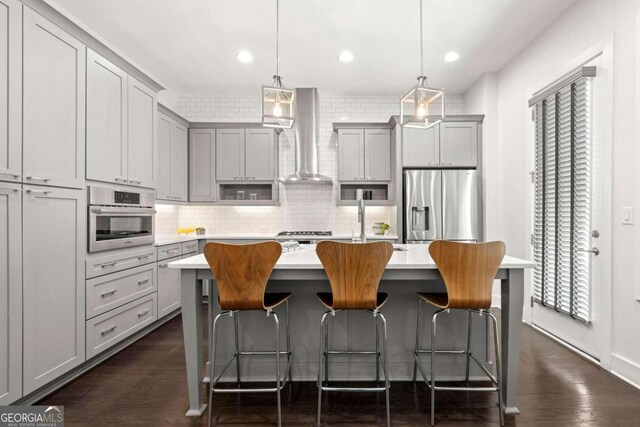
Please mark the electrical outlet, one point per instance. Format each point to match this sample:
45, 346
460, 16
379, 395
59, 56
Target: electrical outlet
627, 215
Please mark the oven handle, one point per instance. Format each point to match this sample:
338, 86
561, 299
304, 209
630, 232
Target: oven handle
123, 211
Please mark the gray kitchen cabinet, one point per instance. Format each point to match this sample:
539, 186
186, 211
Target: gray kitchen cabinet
459, 144
54, 244
163, 188
106, 120
350, 154
168, 287
377, 152
53, 104
229, 154
141, 124
11, 291
421, 147
172, 159
260, 158
10, 92
202, 165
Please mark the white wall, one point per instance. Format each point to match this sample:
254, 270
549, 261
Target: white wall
585, 24
303, 207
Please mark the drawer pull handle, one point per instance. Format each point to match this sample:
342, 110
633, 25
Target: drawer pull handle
170, 251
143, 313
251, 177
120, 180
110, 265
106, 294
39, 178
162, 265
10, 189
39, 191
142, 282
136, 182
108, 331
11, 174
142, 258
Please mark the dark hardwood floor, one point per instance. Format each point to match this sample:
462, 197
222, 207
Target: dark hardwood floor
146, 385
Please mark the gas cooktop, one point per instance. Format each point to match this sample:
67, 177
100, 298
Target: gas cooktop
304, 233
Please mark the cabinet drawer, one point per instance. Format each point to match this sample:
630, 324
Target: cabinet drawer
119, 260
169, 251
112, 290
112, 327
189, 247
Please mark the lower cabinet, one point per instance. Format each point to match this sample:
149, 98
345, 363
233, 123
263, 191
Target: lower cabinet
11, 291
114, 326
168, 287
54, 246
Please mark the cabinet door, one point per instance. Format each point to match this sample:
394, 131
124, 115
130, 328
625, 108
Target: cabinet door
53, 104
54, 244
421, 147
11, 291
377, 152
179, 147
163, 189
350, 155
229, 154
10, 91
459, 144
260, 154
106, 120
202, 182
141, 148
168, 288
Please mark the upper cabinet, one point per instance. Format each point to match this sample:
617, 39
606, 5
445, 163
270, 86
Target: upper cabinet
459, 144
141, 149
53, 104
364, 155
202, 154
106, 120
246, 154
10, 91
449, 144
121, 119
172, 159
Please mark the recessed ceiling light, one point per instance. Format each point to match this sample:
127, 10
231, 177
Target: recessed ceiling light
244, 56
346, 56
451, 57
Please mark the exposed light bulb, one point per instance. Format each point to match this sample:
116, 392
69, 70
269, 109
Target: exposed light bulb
277, 109
422, 111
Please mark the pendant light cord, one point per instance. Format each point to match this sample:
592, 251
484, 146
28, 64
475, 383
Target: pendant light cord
277, 37
421, 43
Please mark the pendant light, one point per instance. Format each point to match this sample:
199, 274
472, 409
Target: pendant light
277, 101
414, 106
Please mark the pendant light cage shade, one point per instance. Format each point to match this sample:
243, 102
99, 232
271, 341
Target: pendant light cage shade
415, 105
277, 105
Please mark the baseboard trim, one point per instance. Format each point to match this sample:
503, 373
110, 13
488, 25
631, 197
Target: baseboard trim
626, 370
567, 345
41, 393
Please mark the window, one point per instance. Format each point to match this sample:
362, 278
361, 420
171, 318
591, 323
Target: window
562, 208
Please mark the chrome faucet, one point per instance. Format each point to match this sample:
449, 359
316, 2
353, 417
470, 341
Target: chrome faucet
360, 199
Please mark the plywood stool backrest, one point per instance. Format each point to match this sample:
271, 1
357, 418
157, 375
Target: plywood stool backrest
468, 271
242, 272
354, 271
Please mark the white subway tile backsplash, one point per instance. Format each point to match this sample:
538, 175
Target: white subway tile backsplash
302, 207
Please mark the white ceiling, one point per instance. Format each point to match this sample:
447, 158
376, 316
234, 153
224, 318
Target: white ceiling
190, 45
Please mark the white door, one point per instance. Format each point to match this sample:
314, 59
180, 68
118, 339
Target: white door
141, 158
202, 179
576, 205
179, 161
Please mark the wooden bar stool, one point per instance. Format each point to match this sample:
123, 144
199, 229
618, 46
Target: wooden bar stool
354, 272
468, 271
241, 273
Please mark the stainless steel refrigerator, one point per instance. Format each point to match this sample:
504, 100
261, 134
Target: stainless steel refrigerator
440, 204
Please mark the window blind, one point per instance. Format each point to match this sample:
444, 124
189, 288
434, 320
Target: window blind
562, 206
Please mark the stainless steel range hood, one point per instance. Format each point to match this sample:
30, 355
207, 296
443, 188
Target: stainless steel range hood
306, 140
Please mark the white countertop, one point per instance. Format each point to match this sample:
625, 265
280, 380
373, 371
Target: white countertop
415, 257
171, 239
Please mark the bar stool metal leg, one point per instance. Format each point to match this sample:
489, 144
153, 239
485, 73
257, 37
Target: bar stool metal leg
235, 326
277, 324
207, 285
433, 366
321, 355
212, 370
377, 351
468, 346
326, 353
288, 327
498, 365
385, 365
417, 348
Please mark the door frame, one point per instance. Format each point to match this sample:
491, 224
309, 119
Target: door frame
604, 48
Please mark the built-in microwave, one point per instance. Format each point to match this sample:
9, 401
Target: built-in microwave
120, 218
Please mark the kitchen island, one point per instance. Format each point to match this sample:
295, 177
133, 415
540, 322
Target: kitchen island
410, 269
